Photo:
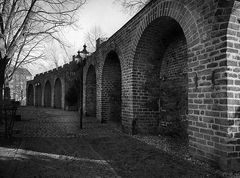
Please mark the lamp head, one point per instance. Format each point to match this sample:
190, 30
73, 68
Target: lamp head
81, 55
84, 52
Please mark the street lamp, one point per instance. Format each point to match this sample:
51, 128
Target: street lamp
81, 61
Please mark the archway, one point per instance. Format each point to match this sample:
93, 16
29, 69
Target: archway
30, 95
160, 79
111, 88
91, 92
38, 95
47, 94
58, 94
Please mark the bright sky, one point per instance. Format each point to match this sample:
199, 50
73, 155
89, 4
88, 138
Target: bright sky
103, 13
106, 14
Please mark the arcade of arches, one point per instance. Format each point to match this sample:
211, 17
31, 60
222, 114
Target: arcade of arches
172, 69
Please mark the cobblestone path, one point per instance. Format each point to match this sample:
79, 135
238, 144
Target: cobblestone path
53, 146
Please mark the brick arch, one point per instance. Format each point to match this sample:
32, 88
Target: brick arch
160, 77
30, 95
111, 46
58, 93
90, 91
111, 88
47, 94
177, 11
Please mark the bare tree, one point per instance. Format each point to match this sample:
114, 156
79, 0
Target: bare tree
56, 54
54, 57
91, 37
25, 25
132, 6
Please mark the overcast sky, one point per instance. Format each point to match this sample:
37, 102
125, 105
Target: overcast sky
106, 14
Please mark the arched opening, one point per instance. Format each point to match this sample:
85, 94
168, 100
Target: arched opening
160, 79
38, 95
47, 94
58, 94
91, 92
30, 95
111, 88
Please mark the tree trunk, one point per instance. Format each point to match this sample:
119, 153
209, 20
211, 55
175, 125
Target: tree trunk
3, 64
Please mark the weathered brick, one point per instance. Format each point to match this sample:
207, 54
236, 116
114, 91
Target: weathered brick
212, 65
212, 113
215, 127
206, 131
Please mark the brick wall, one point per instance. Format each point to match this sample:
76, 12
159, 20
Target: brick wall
174, 86
157, 47
149, 49
231, 126
111, 91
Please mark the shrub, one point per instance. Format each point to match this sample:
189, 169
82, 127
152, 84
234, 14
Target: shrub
168, 100
72, 94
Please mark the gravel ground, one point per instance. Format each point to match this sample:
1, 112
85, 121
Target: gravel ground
179, 148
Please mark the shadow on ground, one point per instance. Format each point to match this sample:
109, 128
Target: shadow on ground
132, 158
96, 151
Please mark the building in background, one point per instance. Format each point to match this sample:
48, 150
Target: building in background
18, 85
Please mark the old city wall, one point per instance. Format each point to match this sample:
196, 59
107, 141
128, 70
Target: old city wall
52, 95
190, 46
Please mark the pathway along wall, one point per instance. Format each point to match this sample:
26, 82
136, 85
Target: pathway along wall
191, 50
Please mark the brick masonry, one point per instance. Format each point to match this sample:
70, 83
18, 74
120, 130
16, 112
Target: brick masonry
197, 43
111, 88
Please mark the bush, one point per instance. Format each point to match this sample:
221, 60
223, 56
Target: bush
72, 96
167, 99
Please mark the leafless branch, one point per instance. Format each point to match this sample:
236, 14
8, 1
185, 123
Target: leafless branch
26, 24
91, 37
132, 6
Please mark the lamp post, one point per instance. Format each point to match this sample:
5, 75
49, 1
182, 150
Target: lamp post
81, 61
